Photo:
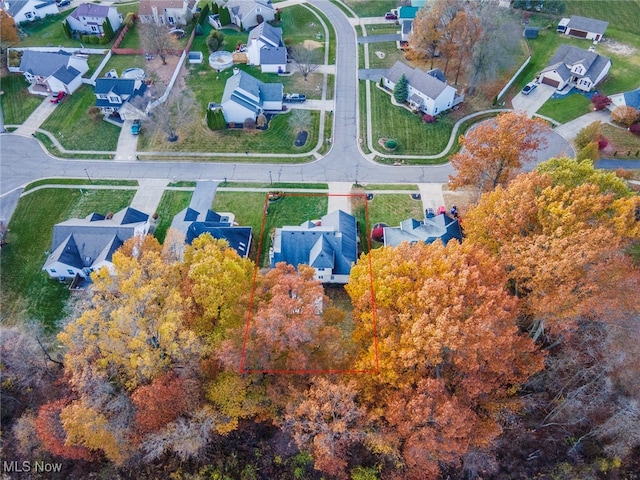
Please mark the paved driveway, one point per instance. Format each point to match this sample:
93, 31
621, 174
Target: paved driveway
531, 103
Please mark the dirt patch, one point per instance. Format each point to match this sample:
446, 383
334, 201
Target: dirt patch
159, 72
461, 198
240, 57
311, 44
619, 48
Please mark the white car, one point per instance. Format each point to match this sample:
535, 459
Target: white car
529, 87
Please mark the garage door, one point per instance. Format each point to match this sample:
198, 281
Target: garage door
550, 81
578, 33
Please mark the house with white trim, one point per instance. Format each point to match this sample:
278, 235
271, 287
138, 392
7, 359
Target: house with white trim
266, 49
250, 13
573, 66
89, 18
166, 12
112, 94
428, 91
29, 10
55, 71
583, 27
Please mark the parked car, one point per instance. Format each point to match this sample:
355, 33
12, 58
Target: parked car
294, 98
135, 127
58, 97
63, 3
390, 16
528, 88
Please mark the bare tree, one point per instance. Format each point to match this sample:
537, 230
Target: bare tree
157, 40
174, 113
307, 59
300, 119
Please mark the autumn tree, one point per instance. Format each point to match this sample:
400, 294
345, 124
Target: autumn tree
307, 60
430, 27
327, 422
625, 115
51, 433
449, 352
495, 150
8, 33
173, 113
590, 133
600, 101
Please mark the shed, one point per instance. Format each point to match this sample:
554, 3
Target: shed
531, 32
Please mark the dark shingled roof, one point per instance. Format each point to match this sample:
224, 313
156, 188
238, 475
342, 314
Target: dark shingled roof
239, 238
588, 24
632, 99
429, 230
43, 64
422, 81
90, 10
568, 55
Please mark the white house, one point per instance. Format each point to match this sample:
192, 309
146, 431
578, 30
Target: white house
246, 97
583, 27
82, 245
573, 66
166, 12
29, 10
428, 91
249, 13
330, 246
89, 18
55, 71
266, 48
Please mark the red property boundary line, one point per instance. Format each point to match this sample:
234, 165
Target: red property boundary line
375, 369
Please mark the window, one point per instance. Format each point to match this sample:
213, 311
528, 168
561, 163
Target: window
52, 271
171, 20
94, 28
70, 272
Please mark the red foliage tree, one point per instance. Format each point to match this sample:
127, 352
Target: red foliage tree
53, 436
600, 102
635, 128
602, 143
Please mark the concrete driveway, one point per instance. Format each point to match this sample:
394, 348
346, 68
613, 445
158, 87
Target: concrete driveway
531, 103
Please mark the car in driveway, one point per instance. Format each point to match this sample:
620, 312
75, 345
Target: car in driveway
63, 3
58, 97
135, 127
294, 98
529, 87
390, 16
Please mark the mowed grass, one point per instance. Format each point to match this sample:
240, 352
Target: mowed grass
79, 181
27, 292
393, 208
621, 14
17, 102
625, 143
73, 128
48, 31
171, 203
389, 52
413, 135
567, 108
368, 8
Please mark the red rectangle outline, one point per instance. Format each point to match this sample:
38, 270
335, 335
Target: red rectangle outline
376, 368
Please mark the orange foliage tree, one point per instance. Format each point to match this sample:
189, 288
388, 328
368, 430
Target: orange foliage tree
494, 151
53, 436
449, 351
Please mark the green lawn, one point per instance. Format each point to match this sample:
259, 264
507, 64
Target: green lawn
17, 103
393, 208
132, 38
621, 14
402, 186
567, 108
382, 28
414, 137
121, 62
27, 292
626, 144
172, 203
271, 186
71, 125
79, 181
48, 31
300, 24
368, 8
389, 52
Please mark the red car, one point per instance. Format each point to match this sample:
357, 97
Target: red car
58, 97
390, 16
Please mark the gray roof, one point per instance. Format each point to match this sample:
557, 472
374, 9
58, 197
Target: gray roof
273, 55
243, 7
567, 55
267, 34
418, 79
91, 10
632, 98
66, 74
120, 86
588, 24
258, 91
82, 242
239, 238
43, 64
407, 26
332, 244
17, 6
429, 230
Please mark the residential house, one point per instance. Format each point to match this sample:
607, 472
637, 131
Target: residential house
266, 48
246, 97
583, 27
330, 246
29, 10
89, 18
246, 14
53, 71
198, 218
112, 94
573, 66
438, 227
428, 91
629, 99
166, 12
82, 245
406, 15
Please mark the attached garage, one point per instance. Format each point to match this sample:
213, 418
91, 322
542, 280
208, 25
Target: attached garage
550, 81
576, 33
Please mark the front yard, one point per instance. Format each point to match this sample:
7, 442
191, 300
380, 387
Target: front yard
17, 102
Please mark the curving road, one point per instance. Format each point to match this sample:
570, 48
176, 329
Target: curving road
23, 160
